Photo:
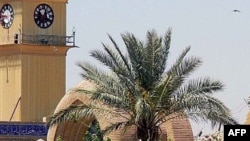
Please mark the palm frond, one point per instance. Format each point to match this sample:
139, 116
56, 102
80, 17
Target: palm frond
114, 61
92, 73
109, 86
200, 86
195, 98
153, 51
119, 65
82, 91
110, 99
212, 116
176, 75
135, 53
104, 58
72, 113
124, 59
162, 59
196, 93
116, 126
103, 80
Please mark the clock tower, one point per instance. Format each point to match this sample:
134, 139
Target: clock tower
33, 49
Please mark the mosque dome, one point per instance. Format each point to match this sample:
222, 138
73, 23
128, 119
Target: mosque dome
175, 129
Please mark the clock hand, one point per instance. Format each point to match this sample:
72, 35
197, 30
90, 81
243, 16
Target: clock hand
3, 16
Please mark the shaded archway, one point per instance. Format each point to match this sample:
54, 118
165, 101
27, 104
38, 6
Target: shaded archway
73, 131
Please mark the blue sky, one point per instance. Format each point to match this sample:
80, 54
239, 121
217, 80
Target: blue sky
215, 33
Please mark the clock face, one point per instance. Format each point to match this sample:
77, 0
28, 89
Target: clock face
43, 15
7, 16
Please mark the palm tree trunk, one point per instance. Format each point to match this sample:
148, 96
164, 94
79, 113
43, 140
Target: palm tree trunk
142, 134
154, 134
150, 134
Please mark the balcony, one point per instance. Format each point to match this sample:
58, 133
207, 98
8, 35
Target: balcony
50, 40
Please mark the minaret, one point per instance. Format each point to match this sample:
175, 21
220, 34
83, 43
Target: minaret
33, 49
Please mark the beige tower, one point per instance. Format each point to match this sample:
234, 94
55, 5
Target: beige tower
33, 48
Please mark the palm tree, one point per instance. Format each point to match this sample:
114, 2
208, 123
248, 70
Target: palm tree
140, 87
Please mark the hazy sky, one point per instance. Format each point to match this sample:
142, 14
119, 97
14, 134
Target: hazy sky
215, 33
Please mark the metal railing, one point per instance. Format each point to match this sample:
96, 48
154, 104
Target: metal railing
38, 39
